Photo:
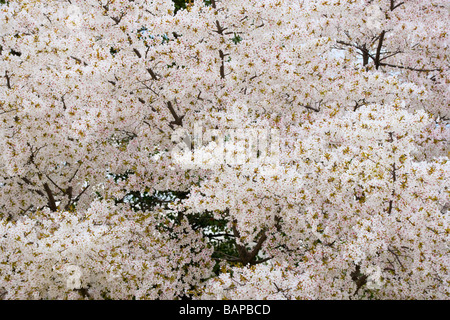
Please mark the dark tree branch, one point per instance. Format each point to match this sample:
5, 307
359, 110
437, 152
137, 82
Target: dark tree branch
397, 258
79, 60
365, 55
394, 6
359, 103
149, 88
380, 45
8, 80
51, 199
80, 194
51, 180
177, 120
309, 107
152, 74
407, 68
358, 278
390, 55
222, 66
31, 184
246, 257
220, 29
258, 247
63, 102
136, 51
3, 112
118, 19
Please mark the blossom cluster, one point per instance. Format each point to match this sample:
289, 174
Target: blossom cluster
107, 252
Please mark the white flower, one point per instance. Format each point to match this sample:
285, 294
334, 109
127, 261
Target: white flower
375, 15
74, 17
374, 280
74, 277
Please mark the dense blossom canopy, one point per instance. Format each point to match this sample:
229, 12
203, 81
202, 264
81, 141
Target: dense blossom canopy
258, 149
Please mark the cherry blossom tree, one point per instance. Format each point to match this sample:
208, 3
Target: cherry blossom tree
270, 149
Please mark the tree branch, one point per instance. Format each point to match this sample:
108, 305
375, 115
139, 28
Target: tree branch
51, 199
177, 120
380, 45
136, 51
408, 68
152, 74
79, 60
8, 80
394, 6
